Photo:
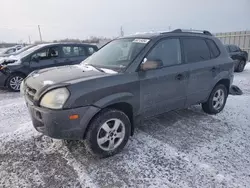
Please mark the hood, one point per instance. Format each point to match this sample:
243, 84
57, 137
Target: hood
62, 75
9, 60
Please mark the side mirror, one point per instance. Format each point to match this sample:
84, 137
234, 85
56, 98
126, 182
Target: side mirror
35, 58
150, 64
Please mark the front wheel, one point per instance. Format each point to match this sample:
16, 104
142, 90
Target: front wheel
14, 81
216, 100
108, 133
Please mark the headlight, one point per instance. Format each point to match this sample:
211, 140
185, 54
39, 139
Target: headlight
55, 99
22, 88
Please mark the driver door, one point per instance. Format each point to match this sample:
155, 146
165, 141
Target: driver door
165, 88
45, 58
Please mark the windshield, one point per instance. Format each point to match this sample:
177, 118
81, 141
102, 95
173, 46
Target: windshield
118, 54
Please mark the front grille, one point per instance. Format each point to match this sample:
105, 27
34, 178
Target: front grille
30, 92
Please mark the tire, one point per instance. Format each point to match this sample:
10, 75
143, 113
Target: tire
241, 66
102, 138
14, 81
210, 105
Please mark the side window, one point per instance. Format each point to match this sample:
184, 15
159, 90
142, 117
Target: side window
213, 48
46, 53
91, 50
82, 51
53, 52
73, 51
195, 50
41, 54
168, 51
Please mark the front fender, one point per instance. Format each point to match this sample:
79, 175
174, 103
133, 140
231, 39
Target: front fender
113, 99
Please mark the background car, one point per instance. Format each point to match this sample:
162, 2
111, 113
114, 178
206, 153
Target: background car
9, 51
239, 56
15, 68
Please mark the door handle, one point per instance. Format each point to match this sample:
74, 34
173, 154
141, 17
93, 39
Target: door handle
179, 77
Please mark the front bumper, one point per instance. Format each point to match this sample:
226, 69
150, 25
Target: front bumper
56, 123
3, 79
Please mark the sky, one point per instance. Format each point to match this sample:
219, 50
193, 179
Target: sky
60, 19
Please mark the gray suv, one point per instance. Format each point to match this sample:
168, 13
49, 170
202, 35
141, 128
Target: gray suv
128, 80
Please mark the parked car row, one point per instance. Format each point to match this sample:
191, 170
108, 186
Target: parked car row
15, 68
128, 80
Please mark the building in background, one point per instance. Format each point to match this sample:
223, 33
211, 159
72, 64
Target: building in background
239, 38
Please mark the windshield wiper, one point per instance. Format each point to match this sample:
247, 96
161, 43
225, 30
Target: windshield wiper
97, 68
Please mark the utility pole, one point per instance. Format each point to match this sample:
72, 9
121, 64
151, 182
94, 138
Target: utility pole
29, 40
122, 32
40, 34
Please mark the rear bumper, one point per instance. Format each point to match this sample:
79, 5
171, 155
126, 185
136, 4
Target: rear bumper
56, 123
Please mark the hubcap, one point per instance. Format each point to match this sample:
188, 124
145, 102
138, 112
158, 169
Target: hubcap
111, 134
218, 99
15, 82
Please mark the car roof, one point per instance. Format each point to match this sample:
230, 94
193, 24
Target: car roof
177, 32
64, 43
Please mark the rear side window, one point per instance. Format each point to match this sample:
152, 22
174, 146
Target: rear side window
213, 48
73, 51
195, 50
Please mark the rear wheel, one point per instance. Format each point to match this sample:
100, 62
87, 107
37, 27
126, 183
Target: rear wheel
216, 100
108, 133
241, 66
14, 81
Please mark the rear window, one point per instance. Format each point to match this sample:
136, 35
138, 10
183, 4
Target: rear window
195, 50
213, 48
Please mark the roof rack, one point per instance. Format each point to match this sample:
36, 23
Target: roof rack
192, 31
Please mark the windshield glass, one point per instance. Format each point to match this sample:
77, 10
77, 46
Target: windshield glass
118, 54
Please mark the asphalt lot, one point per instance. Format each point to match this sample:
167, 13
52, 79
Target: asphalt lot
185, 148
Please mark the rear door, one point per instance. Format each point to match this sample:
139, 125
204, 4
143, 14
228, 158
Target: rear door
164, 89
198, 56
45, 57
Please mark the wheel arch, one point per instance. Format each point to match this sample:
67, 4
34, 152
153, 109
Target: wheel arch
14, 73
122, 106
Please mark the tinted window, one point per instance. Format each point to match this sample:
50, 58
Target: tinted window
73, 51
196, 50
213, 48
168, 51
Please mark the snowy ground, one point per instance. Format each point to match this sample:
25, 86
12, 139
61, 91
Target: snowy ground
185, 148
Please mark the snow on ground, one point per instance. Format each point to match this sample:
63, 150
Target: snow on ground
184, 148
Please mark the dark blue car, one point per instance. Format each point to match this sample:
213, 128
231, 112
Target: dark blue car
15, 68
